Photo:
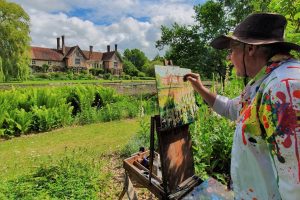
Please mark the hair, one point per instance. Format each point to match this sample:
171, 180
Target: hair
272, 49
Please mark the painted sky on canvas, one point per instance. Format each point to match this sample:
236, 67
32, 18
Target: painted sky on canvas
128, 23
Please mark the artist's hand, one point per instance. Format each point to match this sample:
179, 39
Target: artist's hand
194, 80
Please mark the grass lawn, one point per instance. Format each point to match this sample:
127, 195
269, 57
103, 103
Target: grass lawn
20, 155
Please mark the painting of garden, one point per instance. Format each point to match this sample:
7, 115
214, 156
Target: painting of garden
176, 98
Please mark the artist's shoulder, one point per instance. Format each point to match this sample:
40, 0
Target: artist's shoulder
285, 77
290, 69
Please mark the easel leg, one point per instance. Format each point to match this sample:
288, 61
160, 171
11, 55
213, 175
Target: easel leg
129, 189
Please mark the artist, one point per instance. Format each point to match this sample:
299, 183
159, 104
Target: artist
265, 160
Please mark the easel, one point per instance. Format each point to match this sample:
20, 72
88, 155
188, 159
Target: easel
177, 165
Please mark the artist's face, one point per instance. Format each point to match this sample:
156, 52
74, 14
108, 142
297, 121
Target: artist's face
235, 55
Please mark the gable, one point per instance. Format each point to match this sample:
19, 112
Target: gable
76, 52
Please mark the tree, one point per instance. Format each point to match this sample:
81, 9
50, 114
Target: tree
129, 68
189, 44
14, 41
136, 57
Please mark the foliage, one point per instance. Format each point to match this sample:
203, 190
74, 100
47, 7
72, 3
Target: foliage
45, 67
107, 76
14, 41
212, 141
72, 177
39, 110
188, 44
96, 71
129, 68
136, 57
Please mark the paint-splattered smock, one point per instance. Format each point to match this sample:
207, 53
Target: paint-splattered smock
265, 161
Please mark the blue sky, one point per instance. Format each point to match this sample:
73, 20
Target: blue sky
128, 23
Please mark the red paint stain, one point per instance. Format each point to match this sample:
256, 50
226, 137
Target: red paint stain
247, 114
287, 142
281, 96
293, 121
266, 124
243, 134
293, 67
296, 94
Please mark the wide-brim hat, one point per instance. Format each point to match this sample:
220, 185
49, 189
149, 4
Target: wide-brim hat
258, 29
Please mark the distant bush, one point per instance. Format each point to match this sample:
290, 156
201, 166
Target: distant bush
96, 71
58, 76
141, 74
146, 78
42, 75
107, 76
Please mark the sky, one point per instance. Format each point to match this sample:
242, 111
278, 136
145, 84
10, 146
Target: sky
128, 23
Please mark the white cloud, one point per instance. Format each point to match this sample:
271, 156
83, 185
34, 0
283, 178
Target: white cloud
128, 23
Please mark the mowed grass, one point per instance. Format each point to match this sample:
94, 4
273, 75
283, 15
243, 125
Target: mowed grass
19, 156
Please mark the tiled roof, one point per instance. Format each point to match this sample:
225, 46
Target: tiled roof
40, 53
94, 56
108, 55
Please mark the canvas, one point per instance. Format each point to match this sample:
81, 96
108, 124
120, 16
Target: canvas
175, 97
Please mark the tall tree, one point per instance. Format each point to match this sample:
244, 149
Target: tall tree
136, 57
188, 45
14, 41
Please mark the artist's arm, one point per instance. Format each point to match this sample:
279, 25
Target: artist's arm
222, 105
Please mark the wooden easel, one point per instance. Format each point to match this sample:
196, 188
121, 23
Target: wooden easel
177, 165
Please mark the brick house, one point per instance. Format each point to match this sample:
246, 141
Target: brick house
73, 58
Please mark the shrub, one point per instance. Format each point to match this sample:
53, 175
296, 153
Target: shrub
107, 76
141, 74
212, 141
96, 71
42, 75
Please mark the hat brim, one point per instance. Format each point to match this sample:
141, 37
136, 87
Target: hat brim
223, 42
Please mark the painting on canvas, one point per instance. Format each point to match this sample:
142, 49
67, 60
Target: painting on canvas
175, 97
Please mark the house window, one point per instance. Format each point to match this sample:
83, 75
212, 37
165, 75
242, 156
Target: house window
115, 65
77, 61
49, 62
33, 62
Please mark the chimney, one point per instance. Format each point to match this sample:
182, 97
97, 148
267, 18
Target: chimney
63, 44
116, 47
91, 51
108, 48
58, 43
